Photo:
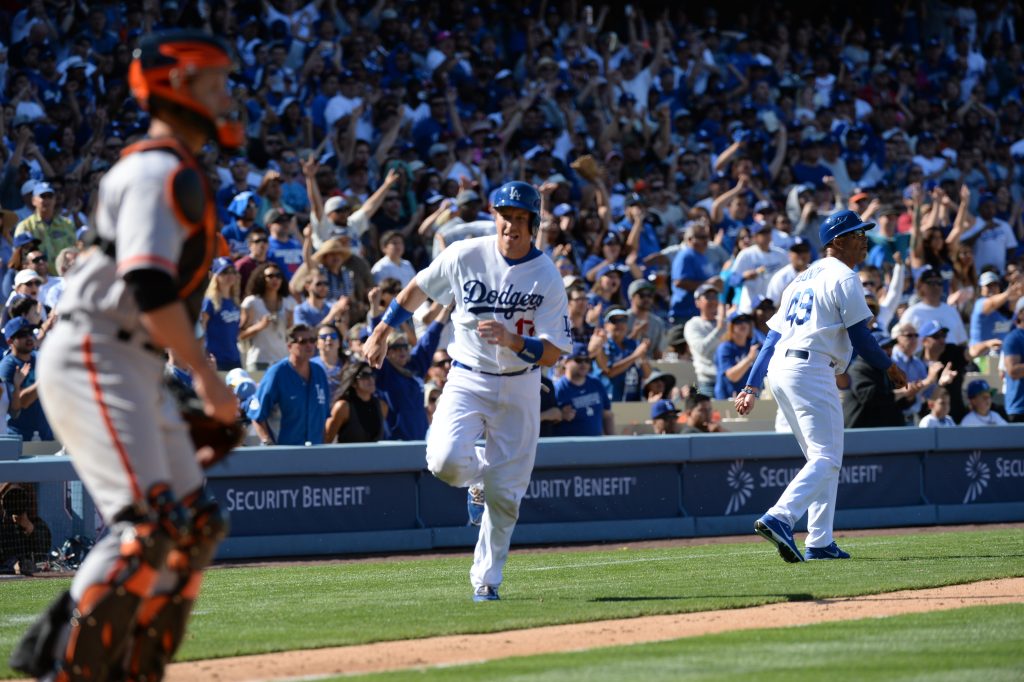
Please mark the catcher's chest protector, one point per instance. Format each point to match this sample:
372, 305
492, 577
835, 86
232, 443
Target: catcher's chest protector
189, 194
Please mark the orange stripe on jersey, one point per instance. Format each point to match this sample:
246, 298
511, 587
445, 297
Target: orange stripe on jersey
97, 393
148, 259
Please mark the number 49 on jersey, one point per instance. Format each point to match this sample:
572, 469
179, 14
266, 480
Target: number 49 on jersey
800, 306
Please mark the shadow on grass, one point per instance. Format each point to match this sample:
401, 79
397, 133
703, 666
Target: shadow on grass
799, 596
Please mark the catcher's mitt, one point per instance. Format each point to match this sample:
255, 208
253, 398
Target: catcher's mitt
588, 168
213, 439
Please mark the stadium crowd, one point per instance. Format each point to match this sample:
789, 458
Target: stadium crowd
685, 161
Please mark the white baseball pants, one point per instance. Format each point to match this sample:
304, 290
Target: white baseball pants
807, 395
505, 411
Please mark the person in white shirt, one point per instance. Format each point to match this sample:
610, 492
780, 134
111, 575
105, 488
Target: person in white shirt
991, 238
980, 396
704, 332
754, 267
939, 417
932, 307
392, 245
799, 259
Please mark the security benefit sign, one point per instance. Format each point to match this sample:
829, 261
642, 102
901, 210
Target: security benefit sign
752, 486
974, 477
299, 505
560, 495
557, 495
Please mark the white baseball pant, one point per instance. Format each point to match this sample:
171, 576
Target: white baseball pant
807, 395
505, 411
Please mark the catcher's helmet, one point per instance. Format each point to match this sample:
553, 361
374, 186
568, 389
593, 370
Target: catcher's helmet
839, 224
519, 195
162, 62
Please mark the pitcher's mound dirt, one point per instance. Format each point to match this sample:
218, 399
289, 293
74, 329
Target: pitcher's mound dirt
458, 649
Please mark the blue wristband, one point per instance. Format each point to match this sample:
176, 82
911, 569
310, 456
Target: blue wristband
532, 350
396, 315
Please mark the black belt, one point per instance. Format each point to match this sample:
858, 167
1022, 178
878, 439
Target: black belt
804, 355
456, 363
121, 334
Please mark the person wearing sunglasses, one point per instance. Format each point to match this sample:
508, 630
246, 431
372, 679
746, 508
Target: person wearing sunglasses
292, 402
330, 355
258, 243
266, 315
358, 414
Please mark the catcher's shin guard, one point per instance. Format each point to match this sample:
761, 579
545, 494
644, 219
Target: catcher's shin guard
163, 616
103, 619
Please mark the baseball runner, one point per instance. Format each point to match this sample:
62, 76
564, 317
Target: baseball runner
136, 290
822, 318
511, 315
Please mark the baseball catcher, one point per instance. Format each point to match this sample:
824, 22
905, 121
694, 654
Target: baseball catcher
133, 293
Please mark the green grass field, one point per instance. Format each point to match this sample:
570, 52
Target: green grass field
979, 643
256, 610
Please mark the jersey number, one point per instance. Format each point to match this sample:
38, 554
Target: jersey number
800, 305
524, 327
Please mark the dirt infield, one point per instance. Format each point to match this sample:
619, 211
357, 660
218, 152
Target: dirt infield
453, 650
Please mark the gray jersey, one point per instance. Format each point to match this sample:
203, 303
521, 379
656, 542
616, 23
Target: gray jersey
133, 211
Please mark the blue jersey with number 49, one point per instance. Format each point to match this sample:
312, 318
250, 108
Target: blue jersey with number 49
816, 310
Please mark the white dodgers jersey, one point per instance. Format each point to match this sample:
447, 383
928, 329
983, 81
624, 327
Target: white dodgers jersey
816, 310
528, 297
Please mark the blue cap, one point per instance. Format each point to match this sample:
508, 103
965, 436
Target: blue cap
611, 238
883, 339
220, 265
840, 223
931, 328
244, 390
579, 351
977, 387
562, 210
24, 238
736, 317
608, 269
239, 202
15, 325
799, 244
80, 233
661, 408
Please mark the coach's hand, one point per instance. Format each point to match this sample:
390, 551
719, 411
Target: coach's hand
744, 403
495, 333
896, 376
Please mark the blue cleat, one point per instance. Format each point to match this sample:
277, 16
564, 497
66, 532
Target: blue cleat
486, 593
781, 535
475, 505
830, 552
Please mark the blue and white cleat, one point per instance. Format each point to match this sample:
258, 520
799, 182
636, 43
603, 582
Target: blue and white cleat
781, 535
486, 593
475, 505
830, 552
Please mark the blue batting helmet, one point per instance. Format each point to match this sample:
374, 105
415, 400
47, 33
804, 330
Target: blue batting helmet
519, 195
839, 224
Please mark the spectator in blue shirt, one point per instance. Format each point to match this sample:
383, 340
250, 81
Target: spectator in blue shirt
991, 319
1013, 363
220, 315
299, 389
586, 410
690, 269
735, 356
401, 378
316, 309
622, 361
18, 371
243, 209
285, 249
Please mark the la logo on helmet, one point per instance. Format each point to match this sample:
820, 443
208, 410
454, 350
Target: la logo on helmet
513, 194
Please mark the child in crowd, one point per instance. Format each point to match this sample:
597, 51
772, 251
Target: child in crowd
938, 403
979, 394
